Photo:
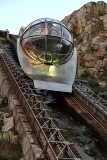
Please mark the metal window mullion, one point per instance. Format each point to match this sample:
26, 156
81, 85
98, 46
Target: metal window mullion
46, 36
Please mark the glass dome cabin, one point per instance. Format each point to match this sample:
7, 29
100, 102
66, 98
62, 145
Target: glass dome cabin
47, 55
48, 41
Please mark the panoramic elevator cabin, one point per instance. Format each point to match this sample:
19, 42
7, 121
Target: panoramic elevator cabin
47, 55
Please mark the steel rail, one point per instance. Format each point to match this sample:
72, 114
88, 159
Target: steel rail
95, 118
99, 110
85, 91
52, 141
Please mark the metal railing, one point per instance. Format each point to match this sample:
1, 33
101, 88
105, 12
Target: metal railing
91, 97
48, 134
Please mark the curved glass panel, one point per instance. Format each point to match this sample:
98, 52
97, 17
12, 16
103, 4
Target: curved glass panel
66, 34
54, 29
52, 20
38, 29
48, 41
26, 34
27, 28
37, 21
53, 47
65, 47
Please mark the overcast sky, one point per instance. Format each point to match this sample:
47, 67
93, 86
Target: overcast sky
17, 13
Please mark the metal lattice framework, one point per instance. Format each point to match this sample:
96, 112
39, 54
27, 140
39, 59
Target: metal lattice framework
45, 128
93, 100
97, 99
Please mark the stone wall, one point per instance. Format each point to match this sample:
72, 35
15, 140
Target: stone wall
30, 147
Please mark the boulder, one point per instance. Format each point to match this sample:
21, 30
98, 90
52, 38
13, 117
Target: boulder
103, 84
8, 124
10, 136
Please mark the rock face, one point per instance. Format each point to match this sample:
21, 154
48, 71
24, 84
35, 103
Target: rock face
8, 132
89, 28
8, 124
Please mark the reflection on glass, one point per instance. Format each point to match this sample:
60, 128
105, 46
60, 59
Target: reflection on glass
65, 47
38, 29
66, 34
54, 29
47, 41
26, 34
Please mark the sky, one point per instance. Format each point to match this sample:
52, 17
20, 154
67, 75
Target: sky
17, 13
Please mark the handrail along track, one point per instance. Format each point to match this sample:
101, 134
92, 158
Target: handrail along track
97, 104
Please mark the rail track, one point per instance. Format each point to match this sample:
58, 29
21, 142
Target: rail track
91, 107
93, 101
91, 114
95, 108
88, 115
49, 135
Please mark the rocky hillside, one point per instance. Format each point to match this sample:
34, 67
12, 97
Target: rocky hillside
89, 28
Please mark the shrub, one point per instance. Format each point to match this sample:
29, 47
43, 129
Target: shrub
85, 74
93, 83
100, 89
100, 58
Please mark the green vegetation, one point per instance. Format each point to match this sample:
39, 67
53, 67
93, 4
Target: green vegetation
93, 83
99, 89
5, 110
89, 67
100, 57
10, 151
85, 74
104, 74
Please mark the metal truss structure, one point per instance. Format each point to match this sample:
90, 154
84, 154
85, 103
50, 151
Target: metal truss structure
50, 137
96, 103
